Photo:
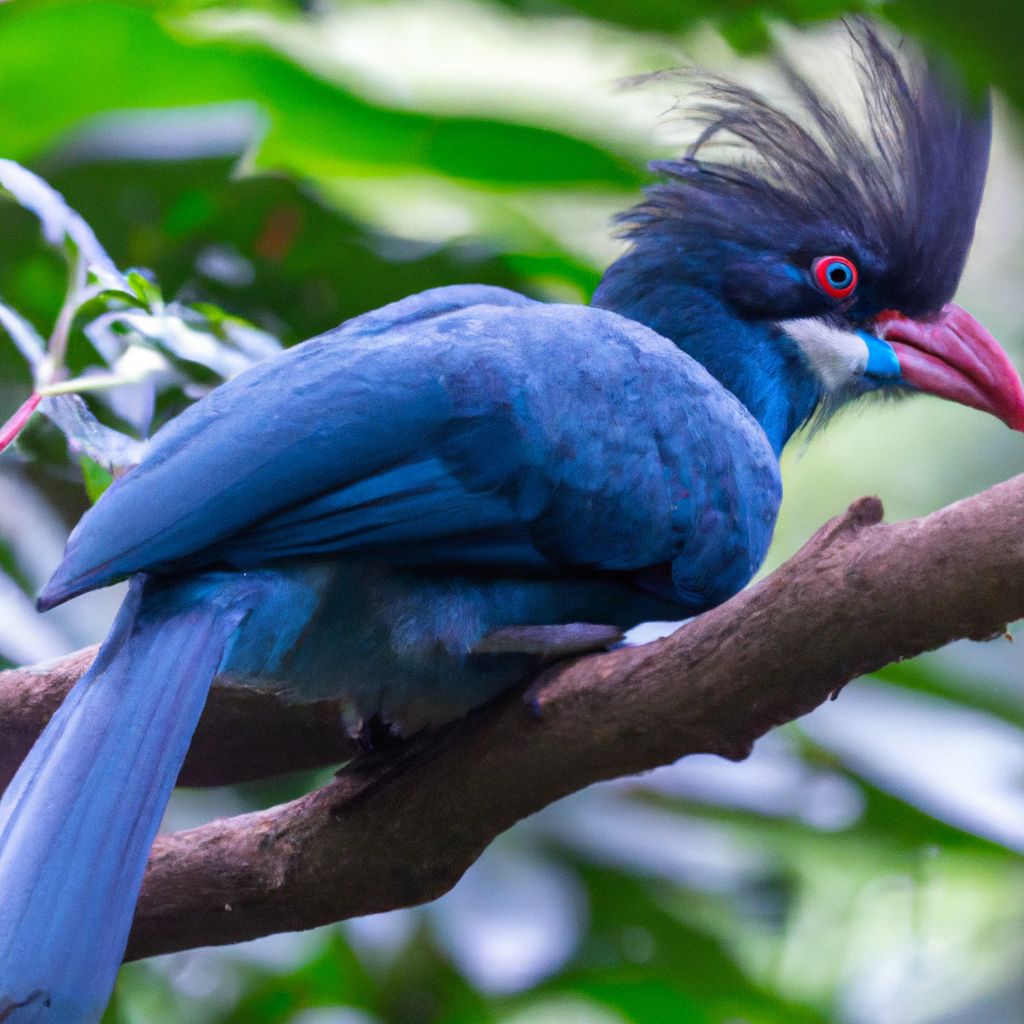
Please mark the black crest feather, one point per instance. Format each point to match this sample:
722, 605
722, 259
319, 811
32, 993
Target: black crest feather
900, 193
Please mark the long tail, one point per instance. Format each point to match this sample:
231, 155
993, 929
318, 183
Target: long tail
79, 818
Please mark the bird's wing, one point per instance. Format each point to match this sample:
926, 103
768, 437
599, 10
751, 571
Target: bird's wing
461, 427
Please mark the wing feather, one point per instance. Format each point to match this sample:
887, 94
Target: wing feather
463, 427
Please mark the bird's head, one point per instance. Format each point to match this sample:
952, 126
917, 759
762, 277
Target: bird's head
818, 263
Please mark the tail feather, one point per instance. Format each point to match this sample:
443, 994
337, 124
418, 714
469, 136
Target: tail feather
78, 819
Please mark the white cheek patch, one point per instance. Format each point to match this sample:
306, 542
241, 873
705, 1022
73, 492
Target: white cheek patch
837, 357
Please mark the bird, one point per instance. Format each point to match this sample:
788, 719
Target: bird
391, 513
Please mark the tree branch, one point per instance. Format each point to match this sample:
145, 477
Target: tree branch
243, 734
399, 830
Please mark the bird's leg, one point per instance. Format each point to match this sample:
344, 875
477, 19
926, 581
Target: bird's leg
375, 735
550, 642
531, 697
387, 753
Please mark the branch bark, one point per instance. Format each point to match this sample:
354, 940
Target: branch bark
397, 830
243, 734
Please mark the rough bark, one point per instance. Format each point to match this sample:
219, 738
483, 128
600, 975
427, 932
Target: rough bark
243, 735
399, 829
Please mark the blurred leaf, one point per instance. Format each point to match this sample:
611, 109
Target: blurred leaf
334, 976
305, 267
97, 478
645, 1001
109, 448
923, 676
122, 56
652, 967
672, 16
23, 634
146, 290
984, 41
59, 222
985, 44
174, 331
244, 336
418, 987
25, 337
9, 567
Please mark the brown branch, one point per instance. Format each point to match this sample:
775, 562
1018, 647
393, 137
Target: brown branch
243, 734
394, 832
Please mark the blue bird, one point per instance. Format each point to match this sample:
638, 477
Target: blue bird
375, 514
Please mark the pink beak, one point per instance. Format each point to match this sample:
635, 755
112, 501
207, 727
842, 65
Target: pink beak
954, 357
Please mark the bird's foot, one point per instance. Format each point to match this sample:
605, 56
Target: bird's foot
550, 642
377, 736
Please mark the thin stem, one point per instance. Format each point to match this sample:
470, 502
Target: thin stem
58, 346
98, 382
10, 430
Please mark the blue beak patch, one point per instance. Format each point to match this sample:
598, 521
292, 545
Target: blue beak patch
883, 364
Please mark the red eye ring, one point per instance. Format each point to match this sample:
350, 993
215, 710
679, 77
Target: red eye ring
836, 276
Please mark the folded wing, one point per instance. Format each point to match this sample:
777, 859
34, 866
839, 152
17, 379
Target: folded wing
465, 427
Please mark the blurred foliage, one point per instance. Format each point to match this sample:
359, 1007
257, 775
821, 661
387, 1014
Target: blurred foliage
292, 164
744, 24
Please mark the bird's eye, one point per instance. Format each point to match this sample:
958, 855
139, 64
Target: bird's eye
836, 276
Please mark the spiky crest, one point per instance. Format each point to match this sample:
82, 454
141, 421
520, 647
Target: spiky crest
900, 193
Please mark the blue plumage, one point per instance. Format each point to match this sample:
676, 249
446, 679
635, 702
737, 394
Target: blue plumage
447, 441
77, 821
355, 518
447, 483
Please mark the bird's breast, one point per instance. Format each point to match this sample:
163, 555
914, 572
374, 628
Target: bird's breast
398, 643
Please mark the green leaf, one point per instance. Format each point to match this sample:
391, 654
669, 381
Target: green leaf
985, 44
681, 973
87, 435
96, 478
924, 676
119, 57
673, 17
146, 290
310, 266
61, 225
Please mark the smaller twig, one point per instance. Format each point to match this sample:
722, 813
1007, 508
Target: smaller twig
57, 348
97, 382
13, 427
